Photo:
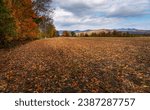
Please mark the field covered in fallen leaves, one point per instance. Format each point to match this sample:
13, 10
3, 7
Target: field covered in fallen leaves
77, 65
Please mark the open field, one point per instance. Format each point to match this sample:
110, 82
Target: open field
77, 65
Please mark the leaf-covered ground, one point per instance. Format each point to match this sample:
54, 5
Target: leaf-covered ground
77, 65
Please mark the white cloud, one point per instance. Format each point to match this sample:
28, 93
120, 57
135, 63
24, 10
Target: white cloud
83, 14
62, 13
63, 16
71, 22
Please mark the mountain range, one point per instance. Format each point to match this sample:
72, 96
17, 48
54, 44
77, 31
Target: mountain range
129, 30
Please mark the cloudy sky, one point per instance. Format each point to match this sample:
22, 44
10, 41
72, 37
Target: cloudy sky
98, 14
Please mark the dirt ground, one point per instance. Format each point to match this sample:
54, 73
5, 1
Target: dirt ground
105, 65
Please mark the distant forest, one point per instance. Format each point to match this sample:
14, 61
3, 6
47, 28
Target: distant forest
113, 33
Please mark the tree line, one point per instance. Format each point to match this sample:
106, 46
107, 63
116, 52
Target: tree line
108, 34
22, 20
113, 33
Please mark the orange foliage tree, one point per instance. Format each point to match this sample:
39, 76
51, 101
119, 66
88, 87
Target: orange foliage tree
31, 17
24, 18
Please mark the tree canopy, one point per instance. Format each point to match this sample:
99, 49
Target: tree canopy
7, 24
25, 20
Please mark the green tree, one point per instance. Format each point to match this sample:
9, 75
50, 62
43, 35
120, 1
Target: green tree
57, 34
51, 32
114, 33
73, 34
7, 25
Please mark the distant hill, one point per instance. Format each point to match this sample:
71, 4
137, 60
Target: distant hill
134, 31
90, 31
129, 30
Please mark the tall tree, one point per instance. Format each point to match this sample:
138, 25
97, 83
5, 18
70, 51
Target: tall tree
22, 12
7, 24
73, 34
43, 8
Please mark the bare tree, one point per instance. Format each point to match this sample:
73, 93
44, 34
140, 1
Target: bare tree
43, 8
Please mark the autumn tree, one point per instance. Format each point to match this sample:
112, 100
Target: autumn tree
81, 35
50, 31
66, 34
24, 16
43, 8
24, 19
93, 34
86, 35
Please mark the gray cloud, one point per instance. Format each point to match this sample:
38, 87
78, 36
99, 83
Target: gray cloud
97, 12
128, 9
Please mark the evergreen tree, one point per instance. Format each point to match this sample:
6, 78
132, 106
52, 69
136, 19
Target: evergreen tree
73, 34
7, 24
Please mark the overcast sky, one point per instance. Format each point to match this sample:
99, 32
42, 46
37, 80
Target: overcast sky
98, 14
